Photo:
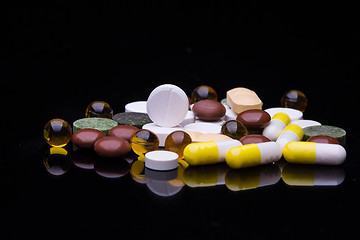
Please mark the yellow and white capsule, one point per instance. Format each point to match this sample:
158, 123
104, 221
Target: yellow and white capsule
291, 133
250, 155
211, 152
314, 153
277, 124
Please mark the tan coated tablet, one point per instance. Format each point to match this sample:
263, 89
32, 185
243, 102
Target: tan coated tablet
205, 137
242, 99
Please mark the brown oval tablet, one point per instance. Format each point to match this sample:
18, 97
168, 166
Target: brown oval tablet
254, 138
323, 139
209, 110
112, 147
123, 131
87, 137
254, 118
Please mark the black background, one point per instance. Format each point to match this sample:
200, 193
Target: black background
58, 57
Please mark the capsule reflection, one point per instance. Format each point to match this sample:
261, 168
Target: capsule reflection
205, 175
254, 177
312, 175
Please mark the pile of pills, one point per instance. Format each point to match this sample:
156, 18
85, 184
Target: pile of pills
170, 127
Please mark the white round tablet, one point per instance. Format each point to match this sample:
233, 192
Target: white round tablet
203, 127
293, 114
161, 160
138, 106
189, 118
305, 123
167, 105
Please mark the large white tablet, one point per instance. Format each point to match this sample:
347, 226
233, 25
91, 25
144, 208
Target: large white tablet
167, 105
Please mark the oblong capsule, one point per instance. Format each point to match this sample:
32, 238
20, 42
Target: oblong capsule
314, 153
277, 124
291, 133
253, 154
211, 152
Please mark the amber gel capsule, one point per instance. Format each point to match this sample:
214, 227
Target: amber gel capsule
57, 133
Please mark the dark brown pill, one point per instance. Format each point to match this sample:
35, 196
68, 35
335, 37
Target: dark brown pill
254, 118
112, 147
209, 110
254, 138
87, 137
123, 131
323, 139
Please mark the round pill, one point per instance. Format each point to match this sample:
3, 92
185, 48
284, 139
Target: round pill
138, 106
112, 147
305, 123
335, 132
99, 109
161, 160
254, 119
167, 105
87, 137
57, 133
135, 119
177, 141
292, 113
123, 131
161, 132
203, 127
234, 129
143, 141
203, 92
209, 110
102, 124
323, 139
294, 99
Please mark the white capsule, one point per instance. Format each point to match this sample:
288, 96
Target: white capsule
291, 133
277, 124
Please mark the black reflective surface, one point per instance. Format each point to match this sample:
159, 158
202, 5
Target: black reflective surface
58, 58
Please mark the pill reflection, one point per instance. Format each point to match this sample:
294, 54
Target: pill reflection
205, 175
254, 177
57, 161
84, 158
161, 183
312, 175
158, 182
111, 167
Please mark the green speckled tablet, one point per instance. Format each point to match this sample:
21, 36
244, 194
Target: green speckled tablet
132, 118
102, 124
335, 132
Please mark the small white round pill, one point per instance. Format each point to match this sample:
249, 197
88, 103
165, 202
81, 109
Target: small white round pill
203, 127
292, 113
305, 123
161, 160
138, 106
167, 105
